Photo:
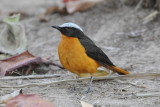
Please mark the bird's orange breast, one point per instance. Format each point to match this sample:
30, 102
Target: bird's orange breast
74, 58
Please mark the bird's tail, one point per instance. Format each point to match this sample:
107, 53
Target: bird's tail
118, 70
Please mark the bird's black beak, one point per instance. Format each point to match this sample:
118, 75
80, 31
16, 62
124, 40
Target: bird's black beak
56, 27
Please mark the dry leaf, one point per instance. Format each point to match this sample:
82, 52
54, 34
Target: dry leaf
65, 1
84, 104
73, 6
15, 62
28, 101
43, 18
5, 98
55, 9
51, 10
12, 38
21, 60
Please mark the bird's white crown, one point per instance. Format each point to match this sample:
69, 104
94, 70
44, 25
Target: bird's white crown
71, 25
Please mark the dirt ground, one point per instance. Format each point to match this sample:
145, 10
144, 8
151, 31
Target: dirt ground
117, 29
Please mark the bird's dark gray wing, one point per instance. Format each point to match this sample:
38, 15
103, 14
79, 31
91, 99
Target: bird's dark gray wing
95, 52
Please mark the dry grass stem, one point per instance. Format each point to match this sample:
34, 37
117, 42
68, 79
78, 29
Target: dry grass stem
30, 77
150, 17
139, 5
130, 76
147, 94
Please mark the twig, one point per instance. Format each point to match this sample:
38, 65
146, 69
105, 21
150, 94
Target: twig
133, 34
132, 84
30, 77
41, 84
147, 94
31, 67
150, 17
51, 63
139, 5
5, 98
133, 76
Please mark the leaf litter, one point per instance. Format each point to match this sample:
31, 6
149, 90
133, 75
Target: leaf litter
21, 60
70, 7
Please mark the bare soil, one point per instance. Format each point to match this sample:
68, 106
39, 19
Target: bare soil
117, 29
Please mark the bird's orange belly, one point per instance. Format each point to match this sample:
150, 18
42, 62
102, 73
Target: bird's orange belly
74, 58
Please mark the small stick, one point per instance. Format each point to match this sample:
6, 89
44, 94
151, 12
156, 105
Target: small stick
31, 67
139, 5
150, 17
132, 84
29, 77
129, 76
147, 94
51, 63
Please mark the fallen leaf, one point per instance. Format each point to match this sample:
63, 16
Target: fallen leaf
22, 60
12, 38
70, 7
84, 104
43, 18
5, 98
51, 10
55, 9
73, 6
28, 101
65, 1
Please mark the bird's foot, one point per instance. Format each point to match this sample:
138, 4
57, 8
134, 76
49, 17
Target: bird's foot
73, 89
88, 91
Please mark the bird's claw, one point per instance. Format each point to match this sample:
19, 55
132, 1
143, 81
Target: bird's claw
73, 89
88, 91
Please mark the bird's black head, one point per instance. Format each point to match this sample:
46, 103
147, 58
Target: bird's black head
70, 30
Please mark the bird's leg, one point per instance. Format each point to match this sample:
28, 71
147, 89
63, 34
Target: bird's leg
75, 85
90, 84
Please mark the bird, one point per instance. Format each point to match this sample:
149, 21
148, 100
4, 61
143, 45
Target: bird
79, 54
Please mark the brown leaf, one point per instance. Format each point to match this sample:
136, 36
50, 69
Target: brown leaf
73, 6
43, 18
16, 62
55, 9
28, 101
21, 60
51, 10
